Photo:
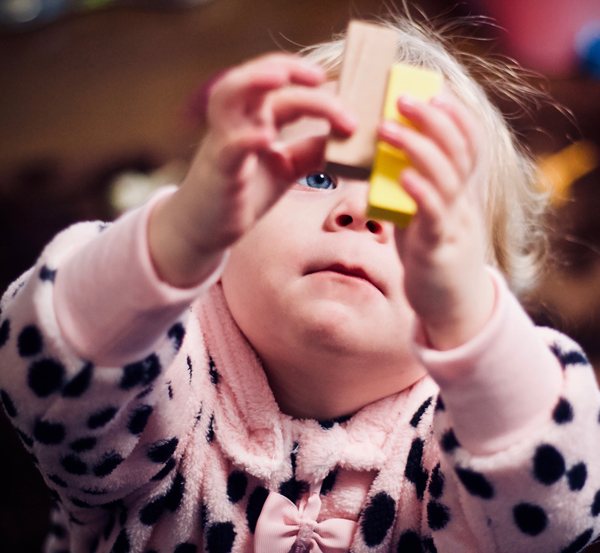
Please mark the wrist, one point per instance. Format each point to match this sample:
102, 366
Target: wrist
176, 257
464, 319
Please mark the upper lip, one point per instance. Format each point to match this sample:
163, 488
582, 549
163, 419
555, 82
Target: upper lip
350, 270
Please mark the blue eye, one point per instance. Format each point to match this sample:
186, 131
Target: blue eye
321, 181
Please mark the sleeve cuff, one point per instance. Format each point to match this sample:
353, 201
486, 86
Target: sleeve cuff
501, 383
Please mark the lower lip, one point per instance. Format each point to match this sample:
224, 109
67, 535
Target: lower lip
346, 278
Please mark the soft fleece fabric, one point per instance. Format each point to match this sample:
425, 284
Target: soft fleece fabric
171, 440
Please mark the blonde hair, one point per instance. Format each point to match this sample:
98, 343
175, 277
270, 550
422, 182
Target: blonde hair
511, 199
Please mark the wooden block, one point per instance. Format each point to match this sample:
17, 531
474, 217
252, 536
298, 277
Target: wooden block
369, 53
387, 199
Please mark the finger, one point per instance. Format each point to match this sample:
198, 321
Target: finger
430, 208
243, 85
424, 155
435, 123
305, 155
239, 145
292, 103
462, 118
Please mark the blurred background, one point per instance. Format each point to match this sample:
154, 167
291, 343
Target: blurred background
100, 102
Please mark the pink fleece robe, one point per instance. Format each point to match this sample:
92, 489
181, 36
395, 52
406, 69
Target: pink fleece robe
156, 429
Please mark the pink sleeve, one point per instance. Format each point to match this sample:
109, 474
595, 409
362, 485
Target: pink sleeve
110, 304
501, 384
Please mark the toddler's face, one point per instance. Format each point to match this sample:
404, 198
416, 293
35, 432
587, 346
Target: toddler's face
316, 275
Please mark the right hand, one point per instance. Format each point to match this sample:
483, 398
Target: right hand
242, 168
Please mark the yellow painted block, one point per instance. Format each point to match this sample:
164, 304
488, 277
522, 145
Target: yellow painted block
387, 199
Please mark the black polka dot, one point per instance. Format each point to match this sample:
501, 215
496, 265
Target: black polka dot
160, 451
176, 333
256, 502
410, 542
83, 444
141, 373
449, 442
436, 483
57, 530
150, 514
49, 433
439, 404
73, 464
438, 515
45, 377
94, 491
79, 503
110, 525
47, 274
57, 480
121, 544
328, 482
580, 542
377, 519
4, 332
428, 546
416, 418
596, 505
237, 482
530, 519
203, 516
212, 370
210, 433
175, 494
108, 463
139, 418
548, 465
293, 489
414, 471
475, 483
190, 368
563, 412
101, 418
220, 537
577, 477
162, 473
79, 383
170, 390
186, 547
30, 341
330, 423
9, 405
26, 439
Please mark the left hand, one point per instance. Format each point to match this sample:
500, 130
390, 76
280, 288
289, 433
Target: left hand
443, 249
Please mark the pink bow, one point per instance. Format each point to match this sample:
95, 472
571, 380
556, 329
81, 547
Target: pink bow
284, 528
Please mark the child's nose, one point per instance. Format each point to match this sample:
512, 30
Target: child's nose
349, 211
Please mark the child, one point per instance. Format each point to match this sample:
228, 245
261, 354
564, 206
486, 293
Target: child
291, 407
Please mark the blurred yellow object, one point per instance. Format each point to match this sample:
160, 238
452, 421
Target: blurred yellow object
387, 199
560, 170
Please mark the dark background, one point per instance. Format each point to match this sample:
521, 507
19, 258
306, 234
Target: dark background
91, 95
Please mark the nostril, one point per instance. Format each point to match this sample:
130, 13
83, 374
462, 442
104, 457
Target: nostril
374, 227
344, 220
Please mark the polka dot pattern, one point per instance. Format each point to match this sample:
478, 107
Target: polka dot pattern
548, 465
438, 515
237, 482
4, 332
8, 403
475, 483
79, 384
530, 519
141, 373
45, 377
30, 341
416, 418
414, 470
220, 537
256, 502
377, 519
